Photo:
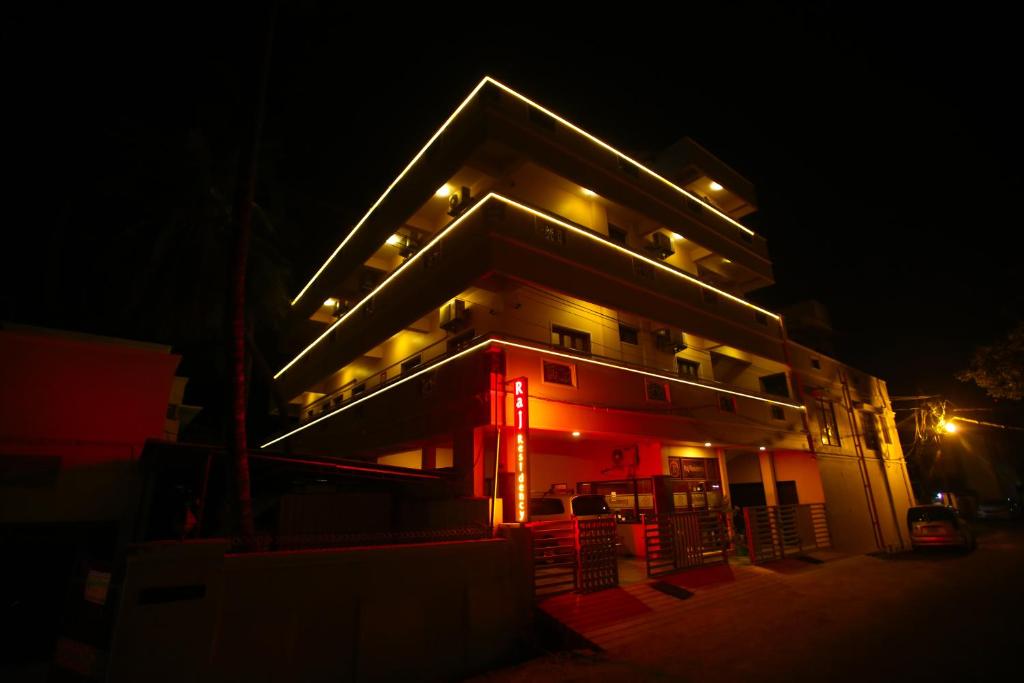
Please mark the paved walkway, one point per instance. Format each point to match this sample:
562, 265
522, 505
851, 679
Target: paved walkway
618, 619
933, 616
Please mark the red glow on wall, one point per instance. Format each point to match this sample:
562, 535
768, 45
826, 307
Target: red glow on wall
520, 430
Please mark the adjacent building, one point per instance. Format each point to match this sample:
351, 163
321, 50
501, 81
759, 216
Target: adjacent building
538, 311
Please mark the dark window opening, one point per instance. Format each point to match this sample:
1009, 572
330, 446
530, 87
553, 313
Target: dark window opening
727, 404
776, 385
870, 423
410, 364
558, 373
688, 368
747, 495
570, 339
787, 494
617, 235
816, 364
657, 391
827, 422
629, 335
778, 413
460, 341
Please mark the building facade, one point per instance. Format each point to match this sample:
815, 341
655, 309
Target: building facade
533, 308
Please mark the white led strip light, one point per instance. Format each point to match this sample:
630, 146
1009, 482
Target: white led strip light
511, 202
444, 126
547, 352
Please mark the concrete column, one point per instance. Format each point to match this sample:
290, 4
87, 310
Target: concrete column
468, 460
428, 458
767, 461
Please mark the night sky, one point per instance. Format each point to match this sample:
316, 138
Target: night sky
885, 149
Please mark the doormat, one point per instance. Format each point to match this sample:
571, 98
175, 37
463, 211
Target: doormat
671, 589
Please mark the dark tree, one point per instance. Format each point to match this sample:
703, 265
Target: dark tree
999, 368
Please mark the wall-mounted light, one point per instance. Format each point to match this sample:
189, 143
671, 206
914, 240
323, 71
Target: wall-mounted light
331, 302
396, 240
443, 191
576, 435
715, 187
761, 448
707, 444
588, 193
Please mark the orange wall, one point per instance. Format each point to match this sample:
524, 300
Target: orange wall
802, 468
64, 390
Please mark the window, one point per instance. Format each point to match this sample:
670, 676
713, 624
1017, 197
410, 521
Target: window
570, 339
657, 391
870, 425
616, 235
410, 364
727, 404
628, 335
559, 373
827, 422
816, 364
776, 385
460, 341
778, 413
688, 368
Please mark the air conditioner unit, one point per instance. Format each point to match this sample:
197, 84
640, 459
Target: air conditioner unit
660, 245
669, 341
409, 246
454, 315
458, 202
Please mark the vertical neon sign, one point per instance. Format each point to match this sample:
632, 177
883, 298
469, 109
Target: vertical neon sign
521, 415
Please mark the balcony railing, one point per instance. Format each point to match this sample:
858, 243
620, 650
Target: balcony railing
438, 353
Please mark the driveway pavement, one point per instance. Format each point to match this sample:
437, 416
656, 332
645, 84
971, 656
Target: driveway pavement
935, 616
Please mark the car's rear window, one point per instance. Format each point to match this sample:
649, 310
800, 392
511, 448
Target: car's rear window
546, 506
935, 513
590, 505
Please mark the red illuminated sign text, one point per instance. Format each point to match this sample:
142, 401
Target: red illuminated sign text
521, 426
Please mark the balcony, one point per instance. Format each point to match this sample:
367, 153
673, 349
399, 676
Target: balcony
501, 236
452, 376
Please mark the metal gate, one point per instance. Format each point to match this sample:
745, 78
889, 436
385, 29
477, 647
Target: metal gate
598, 562
554, 557
576, 554
683, 540
777, 531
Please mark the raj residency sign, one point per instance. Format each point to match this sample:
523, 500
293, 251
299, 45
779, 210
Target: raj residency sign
520, 430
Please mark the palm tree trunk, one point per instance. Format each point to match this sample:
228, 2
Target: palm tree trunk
245, 193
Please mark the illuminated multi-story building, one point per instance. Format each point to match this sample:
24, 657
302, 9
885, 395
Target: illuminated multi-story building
516, 245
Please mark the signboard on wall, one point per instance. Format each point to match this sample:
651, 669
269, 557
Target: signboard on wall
521, 436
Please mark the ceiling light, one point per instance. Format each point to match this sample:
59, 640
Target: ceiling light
443, 191
715, 187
